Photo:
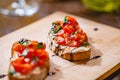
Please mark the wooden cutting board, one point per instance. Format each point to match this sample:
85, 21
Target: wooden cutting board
105, 42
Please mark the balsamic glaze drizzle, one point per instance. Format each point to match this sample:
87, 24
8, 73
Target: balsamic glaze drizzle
95, 57
3, 75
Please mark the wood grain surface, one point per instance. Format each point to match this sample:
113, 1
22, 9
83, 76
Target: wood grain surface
105, 42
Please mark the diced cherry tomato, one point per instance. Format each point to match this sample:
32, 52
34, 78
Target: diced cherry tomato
75, 37
31, 53
72, 21
60, 40
66, 35
70, 29
41, 62
21, 67
83, 38
18, 47
33, 44
69, 18
79, 31
73, 43
42, 54
73, 28
67, 29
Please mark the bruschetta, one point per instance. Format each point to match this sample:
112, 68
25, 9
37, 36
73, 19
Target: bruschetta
68, 40
29, 61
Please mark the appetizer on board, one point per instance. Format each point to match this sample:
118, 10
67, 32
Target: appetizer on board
68, 40
29, 61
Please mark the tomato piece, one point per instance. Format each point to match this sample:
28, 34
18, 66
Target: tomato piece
41, 62
73, 28
59, 40
33, 44
31, 53
18, 47
42, 54
83, 37
70, 20
70, 29
73, 43
66, 35
21, 67
67, 30
75, 37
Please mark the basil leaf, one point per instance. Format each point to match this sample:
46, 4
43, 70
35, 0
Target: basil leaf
65, 20
40, 45
57, 29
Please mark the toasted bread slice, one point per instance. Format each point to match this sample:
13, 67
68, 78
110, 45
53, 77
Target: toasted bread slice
68, 40
38, 72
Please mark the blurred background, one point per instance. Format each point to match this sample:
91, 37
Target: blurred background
102, 11
109, 16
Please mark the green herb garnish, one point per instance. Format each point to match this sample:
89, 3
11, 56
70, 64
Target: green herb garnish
40, 45
35, 58
57, 29
65, 20
12, 72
